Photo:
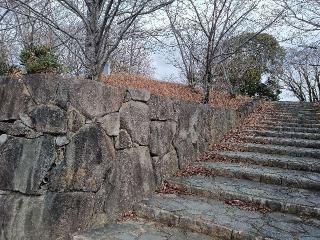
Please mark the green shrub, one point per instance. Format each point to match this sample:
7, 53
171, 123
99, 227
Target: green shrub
40, 59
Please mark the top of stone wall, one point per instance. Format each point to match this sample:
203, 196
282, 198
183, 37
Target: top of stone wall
92, 99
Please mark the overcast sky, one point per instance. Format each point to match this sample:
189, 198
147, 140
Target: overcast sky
165, 71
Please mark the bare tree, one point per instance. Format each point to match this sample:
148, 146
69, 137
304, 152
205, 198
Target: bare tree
302, 14
134, 53
301, 75
202, 27
103, 23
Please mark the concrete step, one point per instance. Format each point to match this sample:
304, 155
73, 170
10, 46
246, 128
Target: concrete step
270, 175
292, 115
301, 120
222, 221
277, 198
139, 229
285, 128
305, 143
271, 160
282, 150
287, 124
299, 135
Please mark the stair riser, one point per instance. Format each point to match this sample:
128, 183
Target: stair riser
293, 120
286, 129
284, 143
272, 204
289, 135
274, 163
286, 124
269, 179
292, 115
282, 152
216, 231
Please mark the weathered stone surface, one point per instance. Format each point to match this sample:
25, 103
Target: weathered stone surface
75, 119
111, 123
162, 135
94, 99
61, 141
26, 120
50, 89
89, 155
25, 163
139, 94
134, 117
13, 98
187, 133
223, 221
18, 129
133, 179
166, 166
276, 197
139, 230
49, 119
291, 178
162, 108
51, 216
286, 162
3, 138
123, 140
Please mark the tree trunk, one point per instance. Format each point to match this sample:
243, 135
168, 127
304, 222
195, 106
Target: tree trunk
207, 87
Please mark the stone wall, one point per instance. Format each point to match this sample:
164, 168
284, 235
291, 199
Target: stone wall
75, 153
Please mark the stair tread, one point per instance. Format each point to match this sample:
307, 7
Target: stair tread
286, 128
288, 150
290, 162
275, 175
277, 133
139, 229
245, 190
227, 221
285, 141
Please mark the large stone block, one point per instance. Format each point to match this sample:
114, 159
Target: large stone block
49, 119
51, 216
94, 99
162, 135
89, 156
13, 99
186, 140
166, 166
134, 118
25, 163
133, 179
75, 119
162, 108
111, 123
18, 128
139, 94
49, 88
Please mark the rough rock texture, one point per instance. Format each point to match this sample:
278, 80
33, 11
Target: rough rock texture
49, 119
132, 179
111, 124
134, 117
25, 163
75, 154
89, 156
13, 96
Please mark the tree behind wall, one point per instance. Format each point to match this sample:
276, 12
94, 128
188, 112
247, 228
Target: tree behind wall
261, 57
301, 74
202, 27
103, 24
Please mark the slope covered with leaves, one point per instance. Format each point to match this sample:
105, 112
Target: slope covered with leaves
175, 90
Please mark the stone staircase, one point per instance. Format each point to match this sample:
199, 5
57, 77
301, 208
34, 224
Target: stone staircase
267, 188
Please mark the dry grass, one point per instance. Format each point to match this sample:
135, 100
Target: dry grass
174, 90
